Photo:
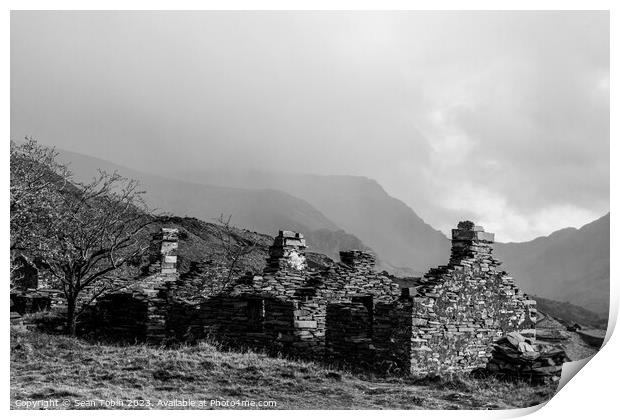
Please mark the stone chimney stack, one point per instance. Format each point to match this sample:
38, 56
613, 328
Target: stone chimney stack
287, 252
168, 250
470, 242
359, 260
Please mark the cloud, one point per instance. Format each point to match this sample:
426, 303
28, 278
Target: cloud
501, 117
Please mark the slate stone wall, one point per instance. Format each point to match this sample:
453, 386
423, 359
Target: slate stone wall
456, 313
447, 323
346, 314
139, 312
349, 335
285, 309
123, 317
392, 334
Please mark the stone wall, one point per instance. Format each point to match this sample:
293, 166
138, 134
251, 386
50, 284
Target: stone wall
392, 334
345, 314
457, 311
139, 311
293, 301
243, 322
447, 323
349, 335
123, 316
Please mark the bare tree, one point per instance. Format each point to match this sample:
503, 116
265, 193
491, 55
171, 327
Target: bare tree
94, 238
36, 177
236, 248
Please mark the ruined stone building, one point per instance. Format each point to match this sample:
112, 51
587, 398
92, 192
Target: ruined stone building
344, 314
34, 291
141, 311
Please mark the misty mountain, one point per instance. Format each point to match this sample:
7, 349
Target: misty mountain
348, 212
569, 265
261, 210
357, 204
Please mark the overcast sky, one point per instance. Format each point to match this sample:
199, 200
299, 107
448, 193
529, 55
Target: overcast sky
500, 117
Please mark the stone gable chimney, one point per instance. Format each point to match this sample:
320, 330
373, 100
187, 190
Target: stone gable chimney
287, 252
168, 250
470, 242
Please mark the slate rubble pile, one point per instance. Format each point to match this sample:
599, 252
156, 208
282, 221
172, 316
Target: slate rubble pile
518, 357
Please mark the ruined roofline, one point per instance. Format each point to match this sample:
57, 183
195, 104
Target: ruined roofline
357, 258
468, 241
470, 245
288, 251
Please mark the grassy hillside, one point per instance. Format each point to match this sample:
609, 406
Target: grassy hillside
200, 241
57, 367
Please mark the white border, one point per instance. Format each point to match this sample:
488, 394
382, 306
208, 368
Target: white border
591, 395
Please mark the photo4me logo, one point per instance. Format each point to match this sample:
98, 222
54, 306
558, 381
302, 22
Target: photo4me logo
216, 403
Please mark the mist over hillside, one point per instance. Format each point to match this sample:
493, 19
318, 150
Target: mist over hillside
262, 210
358, 205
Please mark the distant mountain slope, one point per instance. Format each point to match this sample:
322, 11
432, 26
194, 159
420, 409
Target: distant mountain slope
569, 313
331, 242
569, 265
357, 204
261, 210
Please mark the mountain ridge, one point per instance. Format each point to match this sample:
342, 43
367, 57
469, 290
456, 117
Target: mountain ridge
574, 264
360, 205
265, 210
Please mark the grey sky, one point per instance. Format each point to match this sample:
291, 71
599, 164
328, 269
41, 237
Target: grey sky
499, 117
